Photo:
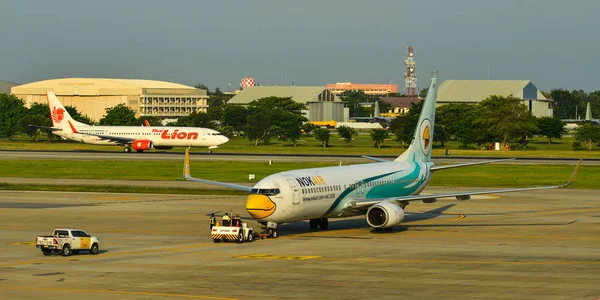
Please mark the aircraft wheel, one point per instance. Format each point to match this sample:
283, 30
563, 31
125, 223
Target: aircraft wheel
127, 149
272, 233
323, 223
313, 223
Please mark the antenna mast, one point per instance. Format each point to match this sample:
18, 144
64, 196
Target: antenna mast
410, 78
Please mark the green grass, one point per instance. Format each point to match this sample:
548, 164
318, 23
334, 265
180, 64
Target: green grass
362, 145
117, 189
485, 176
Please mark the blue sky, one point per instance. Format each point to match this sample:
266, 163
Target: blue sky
555, 44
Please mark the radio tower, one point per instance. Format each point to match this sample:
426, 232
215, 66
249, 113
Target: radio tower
410, 79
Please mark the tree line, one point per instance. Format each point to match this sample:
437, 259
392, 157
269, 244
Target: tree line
495, 119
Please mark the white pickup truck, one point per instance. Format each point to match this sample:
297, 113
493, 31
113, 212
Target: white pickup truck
67, 242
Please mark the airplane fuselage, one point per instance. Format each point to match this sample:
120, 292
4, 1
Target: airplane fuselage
326, 192
159, 136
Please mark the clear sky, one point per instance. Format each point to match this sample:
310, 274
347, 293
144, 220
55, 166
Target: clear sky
556, 44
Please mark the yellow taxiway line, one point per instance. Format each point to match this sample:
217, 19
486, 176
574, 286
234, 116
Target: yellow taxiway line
24, 288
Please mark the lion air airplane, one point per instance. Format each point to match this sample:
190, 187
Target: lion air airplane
132, 137
380, 191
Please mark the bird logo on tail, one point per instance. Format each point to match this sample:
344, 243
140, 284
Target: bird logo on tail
58, 114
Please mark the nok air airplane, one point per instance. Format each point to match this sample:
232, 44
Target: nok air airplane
380, 190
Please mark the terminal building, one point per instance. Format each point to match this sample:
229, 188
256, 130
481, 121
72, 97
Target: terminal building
474, 91
91, 96
369, 89
321, 103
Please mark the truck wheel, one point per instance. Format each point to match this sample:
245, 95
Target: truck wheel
217, 240
66, 250
46, 252
94, 249
250, 237
240, 238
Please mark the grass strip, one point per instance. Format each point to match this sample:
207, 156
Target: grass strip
117, 189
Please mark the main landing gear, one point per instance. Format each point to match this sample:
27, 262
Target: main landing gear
321, 223
127, 149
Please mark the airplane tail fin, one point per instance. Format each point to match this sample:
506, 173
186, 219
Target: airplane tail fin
59, 115
422, 141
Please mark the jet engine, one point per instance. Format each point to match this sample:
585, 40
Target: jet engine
384, 214
141, 145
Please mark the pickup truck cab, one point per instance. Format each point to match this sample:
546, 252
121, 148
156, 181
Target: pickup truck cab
67, 242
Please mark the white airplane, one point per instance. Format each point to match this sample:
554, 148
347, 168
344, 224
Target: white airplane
139, 138
380, 190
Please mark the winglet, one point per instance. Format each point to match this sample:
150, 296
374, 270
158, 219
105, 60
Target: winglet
186, 166
146, 123
573, 175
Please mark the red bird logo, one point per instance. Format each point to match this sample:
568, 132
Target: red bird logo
58, 115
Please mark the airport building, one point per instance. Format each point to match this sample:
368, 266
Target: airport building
399, 105
321, 103
369, 89
5, 86
91, 96
474, 91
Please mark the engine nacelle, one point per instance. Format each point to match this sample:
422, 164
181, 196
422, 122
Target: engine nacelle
141, 145
384, 214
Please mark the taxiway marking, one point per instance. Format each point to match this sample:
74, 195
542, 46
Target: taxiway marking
24, 288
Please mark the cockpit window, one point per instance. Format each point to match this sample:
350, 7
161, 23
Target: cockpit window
216, 133
267, 192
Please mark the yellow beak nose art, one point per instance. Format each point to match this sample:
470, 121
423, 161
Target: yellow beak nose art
260, 206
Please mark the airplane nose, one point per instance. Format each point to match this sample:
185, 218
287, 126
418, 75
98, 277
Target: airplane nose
260, 206
224, 140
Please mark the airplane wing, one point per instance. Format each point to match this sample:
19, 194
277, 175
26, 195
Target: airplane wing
375, 158
435, 168
445, 166
51, 129
362, 205
187, 176
117, 139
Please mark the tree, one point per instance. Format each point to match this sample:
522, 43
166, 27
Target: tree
230, 115
353, 101
346, 133
423, 93
119, 115
277, 113
78, 116
322, 135
195, 119
307, 128
397, 128
550, 127
588, 133
288, 127
502, 118
378, 136
455, 122
12, 109
34, 132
